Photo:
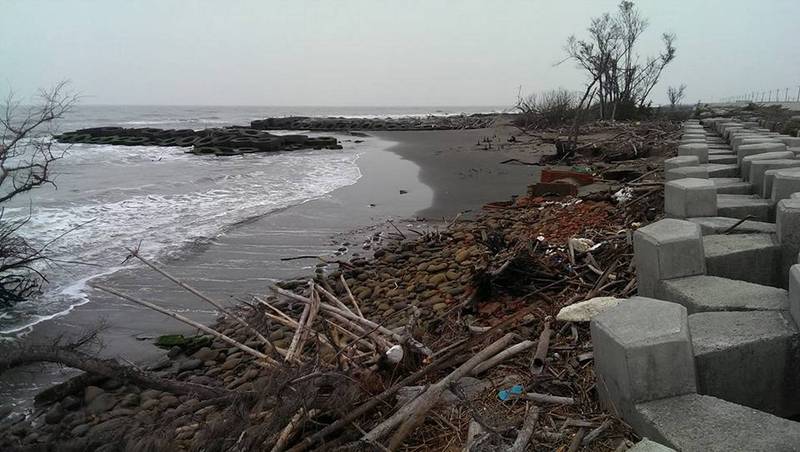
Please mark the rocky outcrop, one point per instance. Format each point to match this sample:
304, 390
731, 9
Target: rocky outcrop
476, 121
218, 141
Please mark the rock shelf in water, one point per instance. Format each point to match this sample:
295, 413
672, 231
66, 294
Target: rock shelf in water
218, 141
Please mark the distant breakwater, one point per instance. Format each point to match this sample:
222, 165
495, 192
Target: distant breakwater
475, 121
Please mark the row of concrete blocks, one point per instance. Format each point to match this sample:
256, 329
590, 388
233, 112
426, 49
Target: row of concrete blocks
716, 348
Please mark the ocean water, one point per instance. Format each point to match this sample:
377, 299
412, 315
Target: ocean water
110, 197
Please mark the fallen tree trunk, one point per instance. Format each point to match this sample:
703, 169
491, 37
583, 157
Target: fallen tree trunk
106, 367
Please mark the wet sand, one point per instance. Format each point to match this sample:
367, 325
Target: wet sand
442, 173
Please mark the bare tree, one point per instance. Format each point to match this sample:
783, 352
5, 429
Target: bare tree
27, 153
676, 95
624, 81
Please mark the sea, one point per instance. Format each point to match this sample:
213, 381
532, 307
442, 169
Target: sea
106, 197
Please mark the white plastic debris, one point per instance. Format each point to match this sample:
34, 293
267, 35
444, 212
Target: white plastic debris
581, 245
585, 310
623, 195
395, 354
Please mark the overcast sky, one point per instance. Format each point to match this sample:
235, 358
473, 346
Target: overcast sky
372, 52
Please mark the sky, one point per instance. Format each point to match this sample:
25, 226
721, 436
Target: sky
373, 52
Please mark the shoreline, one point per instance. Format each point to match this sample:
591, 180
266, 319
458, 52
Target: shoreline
437, 170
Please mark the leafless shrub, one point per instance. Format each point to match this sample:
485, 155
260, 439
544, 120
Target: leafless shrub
550, 108
27, 153
676, 95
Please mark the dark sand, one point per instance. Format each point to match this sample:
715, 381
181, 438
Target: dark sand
443, 172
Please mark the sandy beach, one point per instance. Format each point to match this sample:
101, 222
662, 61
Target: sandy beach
441, 174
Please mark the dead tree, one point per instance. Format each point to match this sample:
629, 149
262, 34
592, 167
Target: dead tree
27, 154
676, 95
624, 79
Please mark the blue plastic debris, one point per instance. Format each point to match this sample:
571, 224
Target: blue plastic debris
506, 394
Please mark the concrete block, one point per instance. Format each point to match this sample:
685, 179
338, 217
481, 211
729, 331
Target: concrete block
722, 159
742, 357
642, 352
696, 149
747, 161
683, 172
723, 225
667, 249
677, 162
717, 170
645, 445
732, 186
705, 293
760, 148
700, 423
753, 258
790, 142
786, 182
787, 230
742, 206
690, 197
759, 167
794, 293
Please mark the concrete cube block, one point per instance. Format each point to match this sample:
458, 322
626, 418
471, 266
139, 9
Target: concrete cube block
746, 161
741, 357
667, 249
786, 182
787, 231
696, 149
790, 141
758, 148
690, 197
678, 162
794, 293
758, 168
642, 352
698, 172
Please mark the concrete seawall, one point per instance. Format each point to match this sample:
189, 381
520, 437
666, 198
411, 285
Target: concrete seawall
707, 357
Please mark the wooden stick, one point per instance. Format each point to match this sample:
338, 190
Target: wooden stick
192, 290
594, 434
576, 440
350, 295
301, 324
291, 428
502, 356
190, 322
475, 429
414, 411
547, 398
539, 358
334, 300
521, 443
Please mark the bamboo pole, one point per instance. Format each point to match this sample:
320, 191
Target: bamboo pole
350, 295
190, 322
192, 290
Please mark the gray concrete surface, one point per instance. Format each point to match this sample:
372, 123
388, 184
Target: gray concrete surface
705, 293
786, 182
699, 423
742, 357
753, 258
787, 231
690, 197
642, 352
748, 161
694, 149
758, 168
680, 161
667, 249
719, 225
742, 206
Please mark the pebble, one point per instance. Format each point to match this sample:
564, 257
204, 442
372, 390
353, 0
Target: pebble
190, 364
91, 393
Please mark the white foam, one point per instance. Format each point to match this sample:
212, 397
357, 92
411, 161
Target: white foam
167, 204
